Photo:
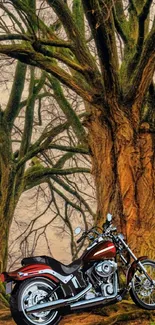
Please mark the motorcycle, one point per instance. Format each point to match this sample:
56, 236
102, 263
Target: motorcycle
44, 289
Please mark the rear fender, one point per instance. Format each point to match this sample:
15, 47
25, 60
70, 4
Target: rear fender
29, 271
132, 269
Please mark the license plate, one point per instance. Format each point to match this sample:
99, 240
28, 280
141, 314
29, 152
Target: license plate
8, 288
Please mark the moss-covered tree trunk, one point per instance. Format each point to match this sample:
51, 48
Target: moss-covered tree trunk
123, 167
7, 194
118, 86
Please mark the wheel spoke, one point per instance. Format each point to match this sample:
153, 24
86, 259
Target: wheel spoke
33, 293
142, 288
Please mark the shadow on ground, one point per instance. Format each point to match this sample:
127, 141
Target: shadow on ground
125, 313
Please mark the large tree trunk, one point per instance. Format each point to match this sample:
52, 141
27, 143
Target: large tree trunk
7, 207
4, 236
144, 229
8, 195
124, 176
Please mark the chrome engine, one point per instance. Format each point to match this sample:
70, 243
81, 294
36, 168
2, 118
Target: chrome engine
106, 268
103, 276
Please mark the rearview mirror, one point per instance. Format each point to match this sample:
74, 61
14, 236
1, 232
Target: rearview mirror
109, 217
77, 231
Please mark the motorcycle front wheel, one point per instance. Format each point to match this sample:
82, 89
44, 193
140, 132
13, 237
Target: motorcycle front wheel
142, 291
28, 294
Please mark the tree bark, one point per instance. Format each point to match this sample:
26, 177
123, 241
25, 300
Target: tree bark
124, 175
8, 197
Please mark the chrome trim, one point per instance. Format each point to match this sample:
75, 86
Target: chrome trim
95, 301
72, 301
53, 305
75, 282
92, 245
62, 278
91, 302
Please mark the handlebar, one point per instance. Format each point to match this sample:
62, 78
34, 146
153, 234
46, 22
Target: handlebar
107, 229
82, 237
86, 233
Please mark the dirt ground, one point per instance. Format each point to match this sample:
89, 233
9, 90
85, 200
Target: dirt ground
87, 319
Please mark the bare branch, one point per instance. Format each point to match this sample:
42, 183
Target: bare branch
145, 68
35, 174
43, 41
29, 56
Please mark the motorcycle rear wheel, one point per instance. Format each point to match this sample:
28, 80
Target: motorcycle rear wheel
28, 294
142, 291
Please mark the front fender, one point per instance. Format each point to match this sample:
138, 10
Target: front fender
27, 272
132, 269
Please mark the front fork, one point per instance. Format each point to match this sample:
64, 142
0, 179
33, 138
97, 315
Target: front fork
137, 261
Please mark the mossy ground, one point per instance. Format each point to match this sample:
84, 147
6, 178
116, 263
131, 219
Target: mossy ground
125, 313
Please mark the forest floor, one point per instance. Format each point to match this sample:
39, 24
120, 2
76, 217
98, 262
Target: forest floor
125, 313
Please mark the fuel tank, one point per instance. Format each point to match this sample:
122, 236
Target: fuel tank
100, 251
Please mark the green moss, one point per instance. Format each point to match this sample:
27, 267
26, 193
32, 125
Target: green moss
12, 108
67, 109
78, 15
4, 298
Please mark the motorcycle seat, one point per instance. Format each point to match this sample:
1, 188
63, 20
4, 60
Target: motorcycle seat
54, 264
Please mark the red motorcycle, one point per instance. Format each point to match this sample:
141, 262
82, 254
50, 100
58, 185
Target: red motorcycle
44, 289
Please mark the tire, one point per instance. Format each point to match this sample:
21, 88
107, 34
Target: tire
27, 294
142, 291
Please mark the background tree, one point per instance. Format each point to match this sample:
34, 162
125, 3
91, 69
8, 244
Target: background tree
42, 141
51, 156
117, 89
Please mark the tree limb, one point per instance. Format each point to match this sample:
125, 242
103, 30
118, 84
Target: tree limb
13, 105
120, 28
81, 50
31, 18
59, 56
29, 56
104, 36
80, 150
72, 191
142, 32
41, 144
56, 43
37, 173
133, 7
145, 68
67, 109
12, 17
145, 10
29, 116
61, 161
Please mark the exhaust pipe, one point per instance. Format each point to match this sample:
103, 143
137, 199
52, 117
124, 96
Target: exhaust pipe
96, 301
74, 304
53, 305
